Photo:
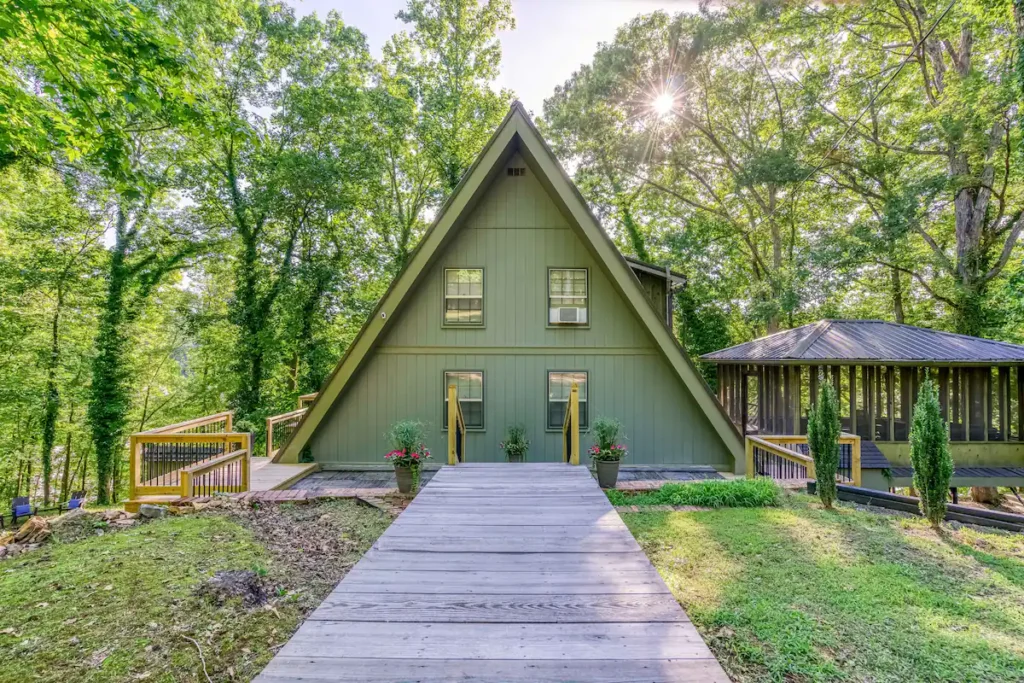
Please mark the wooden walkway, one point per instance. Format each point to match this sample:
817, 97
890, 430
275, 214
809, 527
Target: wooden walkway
508, 573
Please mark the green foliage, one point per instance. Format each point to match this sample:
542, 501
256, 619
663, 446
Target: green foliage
79, 75
929, 454
515, 443
823, 429
606, 431
709, 493
406, 435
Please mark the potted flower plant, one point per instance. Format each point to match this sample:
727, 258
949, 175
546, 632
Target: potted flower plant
607, 453
408, 453
515, 444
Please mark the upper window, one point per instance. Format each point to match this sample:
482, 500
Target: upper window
463, 296
559, 386
470, 388
568, 302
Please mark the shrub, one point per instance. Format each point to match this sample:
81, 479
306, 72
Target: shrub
823, 427
606, 431
713, 493
406, 435
515, 443
929, 454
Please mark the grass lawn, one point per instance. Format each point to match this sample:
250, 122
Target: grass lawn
797, 593
123, 606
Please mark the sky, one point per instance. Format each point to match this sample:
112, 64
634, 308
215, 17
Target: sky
551, 40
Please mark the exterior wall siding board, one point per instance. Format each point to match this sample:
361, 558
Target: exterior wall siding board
515, 234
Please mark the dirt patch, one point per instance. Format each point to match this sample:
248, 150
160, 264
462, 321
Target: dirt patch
313, 543
247, 586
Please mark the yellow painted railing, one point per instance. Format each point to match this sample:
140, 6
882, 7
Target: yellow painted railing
456, 428
159, 458
280, 427
228, 473
788, 457
571, 428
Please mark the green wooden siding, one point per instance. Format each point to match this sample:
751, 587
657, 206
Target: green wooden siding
515, 234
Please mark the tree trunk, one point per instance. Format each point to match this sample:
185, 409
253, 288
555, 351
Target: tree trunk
108, 396
897, 295
65, 481
986, 495
51, 399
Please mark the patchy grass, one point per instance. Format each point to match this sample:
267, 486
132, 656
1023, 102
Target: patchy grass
123, 606
711, 493
797, 593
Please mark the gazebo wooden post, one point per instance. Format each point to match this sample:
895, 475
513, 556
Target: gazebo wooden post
813, 372
797, 386
869, 400
1020, 402
890, 400
1004, 402
853, 399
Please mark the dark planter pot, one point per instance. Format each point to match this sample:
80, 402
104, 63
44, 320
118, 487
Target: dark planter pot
516, 458
607, 473
404, 477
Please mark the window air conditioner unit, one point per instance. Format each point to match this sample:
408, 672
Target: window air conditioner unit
565, 314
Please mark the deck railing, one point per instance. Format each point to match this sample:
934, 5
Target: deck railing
228, 473
788, 458
456, 428
306, 400
159, 457
571, 427
280, 428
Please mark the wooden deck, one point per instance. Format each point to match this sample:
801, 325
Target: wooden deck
501, 573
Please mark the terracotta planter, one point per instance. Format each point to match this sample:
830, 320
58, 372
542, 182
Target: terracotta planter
404, 477
516, 458
607, 473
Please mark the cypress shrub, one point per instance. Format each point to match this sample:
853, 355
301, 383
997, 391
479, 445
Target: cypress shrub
929, 454
823, 427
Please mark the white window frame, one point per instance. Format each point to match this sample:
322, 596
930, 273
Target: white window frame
445, 297
584, 397
483, 405
552, 297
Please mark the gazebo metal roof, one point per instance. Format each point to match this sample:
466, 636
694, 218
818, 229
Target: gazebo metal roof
868, 341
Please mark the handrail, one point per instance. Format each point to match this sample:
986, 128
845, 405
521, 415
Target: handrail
277, 419
456, 428
226, 417
571, 427
306, 399
158, 460
776, 445
229, 483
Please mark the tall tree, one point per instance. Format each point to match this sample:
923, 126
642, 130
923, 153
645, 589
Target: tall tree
456, 55
693, 107
951, 114
286, 157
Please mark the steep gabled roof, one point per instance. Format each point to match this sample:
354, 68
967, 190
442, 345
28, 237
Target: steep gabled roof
516, 133
871, 341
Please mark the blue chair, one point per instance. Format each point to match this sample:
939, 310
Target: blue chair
77, 501
20, 507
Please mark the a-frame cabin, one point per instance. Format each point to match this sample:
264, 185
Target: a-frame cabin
514, 293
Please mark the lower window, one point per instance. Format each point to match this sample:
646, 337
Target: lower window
559, 386
470, 387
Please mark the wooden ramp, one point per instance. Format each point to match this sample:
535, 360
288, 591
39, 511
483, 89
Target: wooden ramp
504, 573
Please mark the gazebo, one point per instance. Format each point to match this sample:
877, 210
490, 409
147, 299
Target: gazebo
877, 367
